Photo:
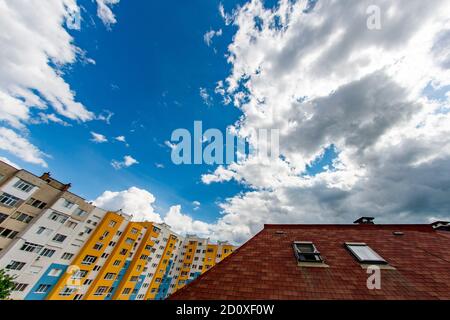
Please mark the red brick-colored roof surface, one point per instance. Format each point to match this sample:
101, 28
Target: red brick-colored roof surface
265, 267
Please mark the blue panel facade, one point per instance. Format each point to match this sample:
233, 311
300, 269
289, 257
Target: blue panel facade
47, 280
137, 287
165, 283
118, 279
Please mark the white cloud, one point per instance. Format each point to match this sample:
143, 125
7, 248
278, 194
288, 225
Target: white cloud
321, 77
98, 138
205, 96
20, 147
184, 224
141, 204
128, 161
220, 175
37, 38
105, 116
34, 55
208, 36
104, 11
134, 201
121, 139
196, 205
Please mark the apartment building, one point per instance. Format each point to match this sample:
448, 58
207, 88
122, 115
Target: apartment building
23, 197
58, 246
195, 256
360, 261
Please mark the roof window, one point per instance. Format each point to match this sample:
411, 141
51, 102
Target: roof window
306, 252
364, 254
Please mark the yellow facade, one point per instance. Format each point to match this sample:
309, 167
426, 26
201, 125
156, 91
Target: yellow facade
161, 269
210, 257
66, 288
137, 265
191, 247
103, 283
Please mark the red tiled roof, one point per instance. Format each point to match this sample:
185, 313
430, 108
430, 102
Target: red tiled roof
265, 267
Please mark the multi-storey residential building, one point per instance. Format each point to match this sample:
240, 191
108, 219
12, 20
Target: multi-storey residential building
23, 197
61, 247
196, 256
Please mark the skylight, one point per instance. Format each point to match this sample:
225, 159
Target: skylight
306, 252
364, 253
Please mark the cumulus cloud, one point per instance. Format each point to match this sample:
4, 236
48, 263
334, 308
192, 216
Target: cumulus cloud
127, 161
33, 56
105, 13
37, 46
15, 144
322, 78
98, 138
134, 201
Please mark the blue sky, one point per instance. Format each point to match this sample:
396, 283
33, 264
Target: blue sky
148, 72
361, 108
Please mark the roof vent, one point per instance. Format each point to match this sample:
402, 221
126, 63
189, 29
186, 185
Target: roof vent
280, 232
441, 225
365, 220
398, 233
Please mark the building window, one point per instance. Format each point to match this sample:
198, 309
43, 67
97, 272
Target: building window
98, 246
20, 286
23, 186
116, 263
68, 204
7, 233
15, 265
80, 274
43, 288
97, 268
134, 231
129, 241
364, 254
8, 200
59, 238
126, 291
101, 291
47, 253
45, 231
55, 272
67, 291
88, 260
67, 256
112, 223
22, 217
87, 282
36, 203
134, 278
71, 224
3, 217
123, 252
54, 216
110, 276
31, 247
78, 297
306, 252
80, 213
